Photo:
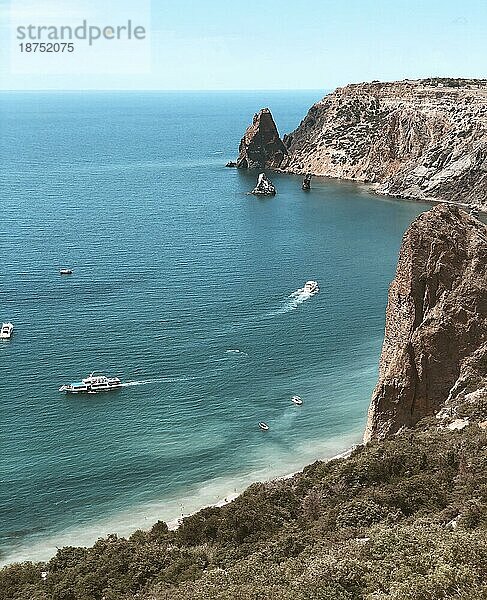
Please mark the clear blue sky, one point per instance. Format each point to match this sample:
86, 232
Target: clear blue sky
273, 44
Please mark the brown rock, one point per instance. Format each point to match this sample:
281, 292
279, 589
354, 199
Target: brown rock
435, 343
261, 147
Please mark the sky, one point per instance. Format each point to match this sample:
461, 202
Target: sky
227, 45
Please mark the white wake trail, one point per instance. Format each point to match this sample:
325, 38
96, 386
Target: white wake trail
158, 380
293, 301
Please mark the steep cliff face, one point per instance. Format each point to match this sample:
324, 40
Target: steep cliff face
261, 147
435, 345
412, 139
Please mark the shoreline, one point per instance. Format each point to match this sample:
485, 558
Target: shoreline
373, 189
175, 523
43, 551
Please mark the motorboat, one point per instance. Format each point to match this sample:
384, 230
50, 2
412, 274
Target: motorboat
65, 271
264, 426
92, 385
297, 400
311, 287
6, 331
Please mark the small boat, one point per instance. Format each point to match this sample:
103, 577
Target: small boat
297, 400
92, 385
264, 426
474, 212
6, 331
65, 271
311, 287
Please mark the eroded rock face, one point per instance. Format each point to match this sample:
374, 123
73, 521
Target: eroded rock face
261, 147
264, 186
420, 139
435, 345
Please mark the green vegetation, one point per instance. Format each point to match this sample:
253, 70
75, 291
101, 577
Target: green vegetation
402, 519
454, 82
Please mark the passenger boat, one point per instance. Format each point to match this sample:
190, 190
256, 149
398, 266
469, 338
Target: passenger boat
92, 385
6, 331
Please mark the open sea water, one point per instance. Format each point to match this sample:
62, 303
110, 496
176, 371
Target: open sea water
185, 287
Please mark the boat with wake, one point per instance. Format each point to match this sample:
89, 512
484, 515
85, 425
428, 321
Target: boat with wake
93, 384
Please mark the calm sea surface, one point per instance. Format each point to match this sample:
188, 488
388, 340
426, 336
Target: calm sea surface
183, 287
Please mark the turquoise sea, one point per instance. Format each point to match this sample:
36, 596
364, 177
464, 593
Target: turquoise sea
183, 287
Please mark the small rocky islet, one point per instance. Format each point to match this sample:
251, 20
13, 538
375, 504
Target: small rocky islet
264, 186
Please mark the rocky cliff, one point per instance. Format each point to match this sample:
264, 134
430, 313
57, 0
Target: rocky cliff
261, 145
422, 139
434, 356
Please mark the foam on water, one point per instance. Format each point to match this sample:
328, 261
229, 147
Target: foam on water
160, 380
292, 302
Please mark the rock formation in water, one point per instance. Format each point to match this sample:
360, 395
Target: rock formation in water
422, 139
434, 355
264, 187
306, 185
261, 147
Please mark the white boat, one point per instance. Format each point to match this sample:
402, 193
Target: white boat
264, 426
65, 271
6, 331
311, 287
92, 385
297, 400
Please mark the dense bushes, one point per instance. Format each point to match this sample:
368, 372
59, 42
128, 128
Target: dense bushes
403, 519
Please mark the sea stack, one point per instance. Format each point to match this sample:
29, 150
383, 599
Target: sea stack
264, 187
261, 147
306, 185
435, 346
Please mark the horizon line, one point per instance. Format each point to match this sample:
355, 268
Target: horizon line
172, 90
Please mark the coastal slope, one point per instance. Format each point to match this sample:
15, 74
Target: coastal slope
435, 345
424, 139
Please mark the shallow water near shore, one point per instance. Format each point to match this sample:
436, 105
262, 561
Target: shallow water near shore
185, 287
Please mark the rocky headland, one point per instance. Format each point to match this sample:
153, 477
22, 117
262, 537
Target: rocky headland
434, 356
424, 139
